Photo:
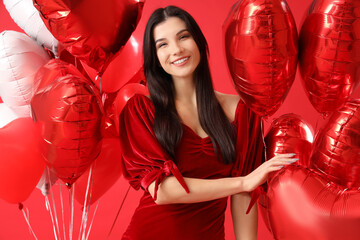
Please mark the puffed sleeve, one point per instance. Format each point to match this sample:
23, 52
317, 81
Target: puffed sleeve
250, 149
143, 158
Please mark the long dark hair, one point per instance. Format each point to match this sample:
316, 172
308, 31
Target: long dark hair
167, 126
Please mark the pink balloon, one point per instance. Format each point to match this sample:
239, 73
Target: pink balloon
330, 53
69, 111
21, 163
337, 147
261, 50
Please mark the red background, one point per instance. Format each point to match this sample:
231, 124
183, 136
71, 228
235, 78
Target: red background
210, 15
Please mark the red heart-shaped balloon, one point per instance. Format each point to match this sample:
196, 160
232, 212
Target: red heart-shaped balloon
290, 134
322, 203
261, 50
21, 163
336, 151
91, 30
105, 172
301, 204
330, 53
69, 111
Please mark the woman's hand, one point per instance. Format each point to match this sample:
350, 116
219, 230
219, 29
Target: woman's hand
260, 174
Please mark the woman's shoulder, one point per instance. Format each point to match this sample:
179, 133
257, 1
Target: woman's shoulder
139, 103
229, 104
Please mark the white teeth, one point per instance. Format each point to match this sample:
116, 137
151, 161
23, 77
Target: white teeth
181, 60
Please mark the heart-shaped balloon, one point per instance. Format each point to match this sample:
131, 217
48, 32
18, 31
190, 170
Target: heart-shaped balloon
69, 111
261, 50
20, 59
106, 171
28, 19
302, 204
330, 53
115, 102
125, 93
125, 67
91, 30
290, 134
287, 134
322, 202
21, 163
336, 151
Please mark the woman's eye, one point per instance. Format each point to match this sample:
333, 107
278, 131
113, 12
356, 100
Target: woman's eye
184, 36
161, 45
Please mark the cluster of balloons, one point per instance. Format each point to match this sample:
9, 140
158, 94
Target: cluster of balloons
318, 197
261, 44
62, 90
53, 112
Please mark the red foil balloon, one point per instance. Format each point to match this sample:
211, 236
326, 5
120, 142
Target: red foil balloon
125, 67
303, 204
91, 30
21, 163
70, 113
290, 134
261, 50
125, 93
336, 151
106, 171
330, 53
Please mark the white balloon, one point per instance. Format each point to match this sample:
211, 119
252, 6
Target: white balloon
20, 59
28, 19
6, 115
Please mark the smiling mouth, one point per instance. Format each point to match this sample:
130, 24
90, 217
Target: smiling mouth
182, 60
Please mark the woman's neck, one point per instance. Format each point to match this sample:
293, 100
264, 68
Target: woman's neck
185, 90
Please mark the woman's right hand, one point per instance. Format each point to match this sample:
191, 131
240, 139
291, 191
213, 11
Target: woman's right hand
260, 174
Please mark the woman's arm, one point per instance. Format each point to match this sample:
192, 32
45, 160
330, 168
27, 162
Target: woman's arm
245, 225
200, 190
170, 190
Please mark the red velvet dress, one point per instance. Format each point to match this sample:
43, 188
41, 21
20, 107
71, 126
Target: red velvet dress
145, 161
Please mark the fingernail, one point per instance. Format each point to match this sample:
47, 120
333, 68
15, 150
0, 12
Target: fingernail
291, 154
279, 167
294, 159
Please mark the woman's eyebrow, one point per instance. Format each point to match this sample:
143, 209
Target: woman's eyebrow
181, 31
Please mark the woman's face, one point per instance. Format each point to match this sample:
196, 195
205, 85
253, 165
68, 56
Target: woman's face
176, 49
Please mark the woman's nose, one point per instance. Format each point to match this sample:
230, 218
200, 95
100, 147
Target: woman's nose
176, 48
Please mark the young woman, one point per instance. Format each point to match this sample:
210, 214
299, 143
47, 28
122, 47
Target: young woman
186, 146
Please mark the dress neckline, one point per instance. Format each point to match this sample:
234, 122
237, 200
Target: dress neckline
186, 127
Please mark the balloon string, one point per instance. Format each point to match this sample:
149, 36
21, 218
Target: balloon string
26, 216
71, 204
48, 208
117, 215
92, 220
62, 211
86, 207
98, 77
53, 201
263, 137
